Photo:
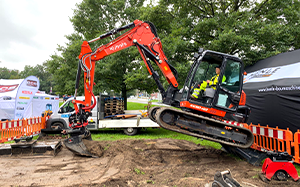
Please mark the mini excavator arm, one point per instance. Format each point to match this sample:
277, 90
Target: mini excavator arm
142, 35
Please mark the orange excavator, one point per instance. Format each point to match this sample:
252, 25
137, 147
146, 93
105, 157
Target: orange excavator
216, 115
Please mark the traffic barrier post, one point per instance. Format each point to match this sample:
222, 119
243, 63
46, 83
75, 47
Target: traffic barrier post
296, 145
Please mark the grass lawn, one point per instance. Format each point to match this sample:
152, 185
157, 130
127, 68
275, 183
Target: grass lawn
130, 105
113, 135
155, 100
137, 106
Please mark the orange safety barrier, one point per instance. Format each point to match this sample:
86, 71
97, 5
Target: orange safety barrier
10, 130
34, 126
271, 139
296, 145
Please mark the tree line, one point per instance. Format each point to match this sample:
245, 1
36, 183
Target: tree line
252, 30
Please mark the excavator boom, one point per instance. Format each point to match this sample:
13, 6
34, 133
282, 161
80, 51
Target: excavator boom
142, 35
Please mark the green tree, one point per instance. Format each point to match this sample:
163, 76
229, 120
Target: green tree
63, 67
95, 17
9, 74
4, 73
252, 30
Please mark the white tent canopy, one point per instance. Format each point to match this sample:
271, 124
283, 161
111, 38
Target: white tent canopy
19, 99
9, 88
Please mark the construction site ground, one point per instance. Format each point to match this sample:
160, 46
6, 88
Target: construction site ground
161, 162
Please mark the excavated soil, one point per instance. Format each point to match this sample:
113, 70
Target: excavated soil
161, 162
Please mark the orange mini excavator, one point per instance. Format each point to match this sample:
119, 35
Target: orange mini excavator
216, 113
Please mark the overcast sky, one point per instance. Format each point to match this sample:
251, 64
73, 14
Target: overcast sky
30, 30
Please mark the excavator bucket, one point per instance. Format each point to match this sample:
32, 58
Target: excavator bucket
76, 145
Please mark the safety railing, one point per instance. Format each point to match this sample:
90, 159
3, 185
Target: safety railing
296, 145
10, 130
271, 139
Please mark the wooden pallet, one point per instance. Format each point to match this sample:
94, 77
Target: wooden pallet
114, 105
114, 101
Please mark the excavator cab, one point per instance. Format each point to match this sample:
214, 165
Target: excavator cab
224, 91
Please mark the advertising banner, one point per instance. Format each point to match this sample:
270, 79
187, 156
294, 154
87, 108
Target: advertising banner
24, 96
44, 102
274, 73
272, 87
8, 88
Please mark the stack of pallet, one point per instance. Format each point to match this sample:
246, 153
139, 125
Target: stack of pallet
114, 106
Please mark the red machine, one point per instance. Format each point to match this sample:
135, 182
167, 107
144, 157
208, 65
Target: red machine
280, 167
202, 117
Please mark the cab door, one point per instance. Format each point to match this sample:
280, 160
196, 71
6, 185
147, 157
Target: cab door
228, 92
202, 70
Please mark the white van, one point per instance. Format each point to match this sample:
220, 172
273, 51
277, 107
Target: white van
131, 126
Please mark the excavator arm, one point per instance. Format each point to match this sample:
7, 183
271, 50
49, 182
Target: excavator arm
142, 35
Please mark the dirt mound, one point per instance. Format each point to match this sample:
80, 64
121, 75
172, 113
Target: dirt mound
45, 137
161, 162
94, 147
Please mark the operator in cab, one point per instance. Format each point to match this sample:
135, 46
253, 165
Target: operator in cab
208, 83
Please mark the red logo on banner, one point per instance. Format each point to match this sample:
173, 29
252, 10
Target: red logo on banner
7, 88
26, 92
31, 83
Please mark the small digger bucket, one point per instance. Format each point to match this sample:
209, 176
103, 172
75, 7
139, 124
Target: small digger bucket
76, 145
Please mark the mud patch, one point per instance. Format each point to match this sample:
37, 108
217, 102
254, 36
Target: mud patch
52, 137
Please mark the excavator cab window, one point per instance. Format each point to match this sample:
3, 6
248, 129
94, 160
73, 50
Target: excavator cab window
229, 90
205, 69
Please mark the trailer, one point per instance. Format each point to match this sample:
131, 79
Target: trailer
108, 113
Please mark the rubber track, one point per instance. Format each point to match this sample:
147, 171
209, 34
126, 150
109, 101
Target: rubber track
183, 131
150, 113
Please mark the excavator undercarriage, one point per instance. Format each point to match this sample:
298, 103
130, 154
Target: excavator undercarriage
201, 127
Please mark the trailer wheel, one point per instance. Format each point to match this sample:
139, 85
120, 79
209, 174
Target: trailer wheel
57, 126
130, 131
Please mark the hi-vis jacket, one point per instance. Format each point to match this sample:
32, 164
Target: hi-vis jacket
212, 84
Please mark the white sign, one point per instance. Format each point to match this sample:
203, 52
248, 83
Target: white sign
25, 93
274, 73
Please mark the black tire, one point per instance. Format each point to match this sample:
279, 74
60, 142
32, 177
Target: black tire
130, 131
57, 126
281, 175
